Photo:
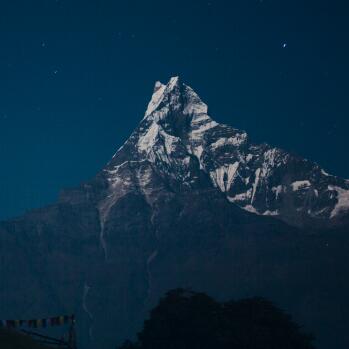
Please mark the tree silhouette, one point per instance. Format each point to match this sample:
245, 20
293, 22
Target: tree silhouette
189, 320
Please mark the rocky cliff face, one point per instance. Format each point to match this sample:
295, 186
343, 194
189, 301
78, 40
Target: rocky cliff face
185, 202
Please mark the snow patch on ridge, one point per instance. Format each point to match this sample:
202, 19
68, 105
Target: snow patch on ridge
194, 104
147, 141
251, 209
255, 184
241, 197
170, 142
172, 83
271, 213
200, 118
197, 133
278, 190
156, 98
342, 200
237, 140
197, 151
297, 185
224, 176
325, 173
249, 157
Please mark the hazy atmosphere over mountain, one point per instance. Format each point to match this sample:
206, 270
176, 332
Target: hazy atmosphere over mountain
148, 146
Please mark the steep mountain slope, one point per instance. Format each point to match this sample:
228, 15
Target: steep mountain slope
165, 213
178, 143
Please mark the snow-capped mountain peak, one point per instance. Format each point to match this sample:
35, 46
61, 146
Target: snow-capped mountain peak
182, 145
170, 210
174, 96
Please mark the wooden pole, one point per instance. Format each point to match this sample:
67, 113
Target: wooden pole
72, 336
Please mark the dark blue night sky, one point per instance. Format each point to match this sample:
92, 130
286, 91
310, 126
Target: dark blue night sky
76, 76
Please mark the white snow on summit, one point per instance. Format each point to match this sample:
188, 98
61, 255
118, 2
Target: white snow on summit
259, 178
195, 105
156, 98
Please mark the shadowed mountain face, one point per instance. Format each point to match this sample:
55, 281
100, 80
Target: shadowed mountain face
185, 202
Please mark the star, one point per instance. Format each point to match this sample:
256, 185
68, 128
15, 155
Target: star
284, 45
43, 44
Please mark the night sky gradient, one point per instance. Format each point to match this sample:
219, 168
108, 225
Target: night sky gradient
76, 76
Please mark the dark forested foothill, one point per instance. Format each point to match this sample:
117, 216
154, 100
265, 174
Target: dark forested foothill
184, 319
